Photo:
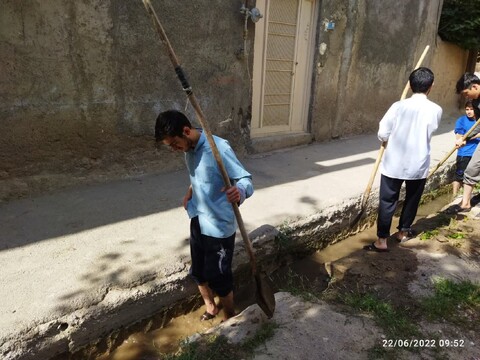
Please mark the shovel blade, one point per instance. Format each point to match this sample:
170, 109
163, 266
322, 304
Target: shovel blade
265, 296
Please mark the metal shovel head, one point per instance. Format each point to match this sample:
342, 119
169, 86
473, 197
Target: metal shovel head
264, 296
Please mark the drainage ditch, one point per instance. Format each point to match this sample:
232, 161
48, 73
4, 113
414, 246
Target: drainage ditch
163, 333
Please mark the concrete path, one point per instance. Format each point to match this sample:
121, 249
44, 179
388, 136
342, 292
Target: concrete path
72, 260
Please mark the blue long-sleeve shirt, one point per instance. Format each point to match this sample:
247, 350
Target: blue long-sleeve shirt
208, 202
462, 125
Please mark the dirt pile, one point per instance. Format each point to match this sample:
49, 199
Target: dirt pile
376, 304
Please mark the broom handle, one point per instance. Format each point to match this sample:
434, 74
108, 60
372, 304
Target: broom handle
464, 137
201, 118
422, 57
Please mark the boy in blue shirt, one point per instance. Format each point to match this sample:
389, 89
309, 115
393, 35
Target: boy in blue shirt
464, 153
208, 204
469, 86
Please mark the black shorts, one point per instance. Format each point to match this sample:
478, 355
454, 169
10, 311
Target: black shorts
461, 165
211, 260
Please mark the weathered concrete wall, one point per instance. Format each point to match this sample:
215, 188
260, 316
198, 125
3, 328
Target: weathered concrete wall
82, 83
448, 64
363, 64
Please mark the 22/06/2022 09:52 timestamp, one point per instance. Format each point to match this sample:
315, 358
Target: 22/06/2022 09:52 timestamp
425, 343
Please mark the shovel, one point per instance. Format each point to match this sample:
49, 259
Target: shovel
264, 294
366, 194
464, 137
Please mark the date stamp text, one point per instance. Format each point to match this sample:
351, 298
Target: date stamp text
422, 343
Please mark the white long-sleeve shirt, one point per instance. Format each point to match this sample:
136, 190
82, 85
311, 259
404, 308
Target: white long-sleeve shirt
408, 126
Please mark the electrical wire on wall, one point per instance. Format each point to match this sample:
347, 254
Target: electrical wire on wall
244, 10
255, 15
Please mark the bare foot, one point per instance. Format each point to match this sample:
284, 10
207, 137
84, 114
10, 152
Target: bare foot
381, 243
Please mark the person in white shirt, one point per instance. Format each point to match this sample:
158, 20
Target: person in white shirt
407, 129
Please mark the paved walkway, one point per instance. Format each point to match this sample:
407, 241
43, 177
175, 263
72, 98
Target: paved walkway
75, 254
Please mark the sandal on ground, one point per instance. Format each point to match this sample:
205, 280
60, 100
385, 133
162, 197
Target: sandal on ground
207, 316
455, 209
372, 247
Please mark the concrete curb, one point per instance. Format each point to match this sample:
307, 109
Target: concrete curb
124, 307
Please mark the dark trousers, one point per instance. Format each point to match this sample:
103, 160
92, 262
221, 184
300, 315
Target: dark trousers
389, 194
211, 259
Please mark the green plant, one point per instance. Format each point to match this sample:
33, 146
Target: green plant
266, 332
298, 285
208, 347
284, 236
453, 223
431, 195
427, 235
451, 301
457, 235
393, 321
217, 347
460, 23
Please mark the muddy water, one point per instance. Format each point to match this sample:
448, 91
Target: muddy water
150, 345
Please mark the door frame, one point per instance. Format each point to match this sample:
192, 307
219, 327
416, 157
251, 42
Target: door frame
301, 88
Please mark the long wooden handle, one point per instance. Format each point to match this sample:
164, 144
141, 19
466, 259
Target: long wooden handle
419, 62
206, 129
366, 193
372, 175
464, 137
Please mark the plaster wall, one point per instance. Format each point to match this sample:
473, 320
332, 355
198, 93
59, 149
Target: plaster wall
362, 65
448, 64
82, 81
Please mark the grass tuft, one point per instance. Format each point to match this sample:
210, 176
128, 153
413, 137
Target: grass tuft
457, 235
395, 322
208, 347
454, 302
427, 235
284, 236
266, 332
217, 347
298, 285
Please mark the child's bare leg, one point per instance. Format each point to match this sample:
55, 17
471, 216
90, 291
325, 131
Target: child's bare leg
467, 194
455, 187
228, 305
208, 299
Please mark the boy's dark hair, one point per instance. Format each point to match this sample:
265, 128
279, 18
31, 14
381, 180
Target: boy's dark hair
421, 80
465, 81
170, 123
476, 110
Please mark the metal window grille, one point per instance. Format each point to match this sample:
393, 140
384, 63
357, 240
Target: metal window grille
280, 61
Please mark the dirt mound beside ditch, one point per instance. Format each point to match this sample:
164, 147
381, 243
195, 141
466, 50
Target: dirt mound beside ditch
447, 247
